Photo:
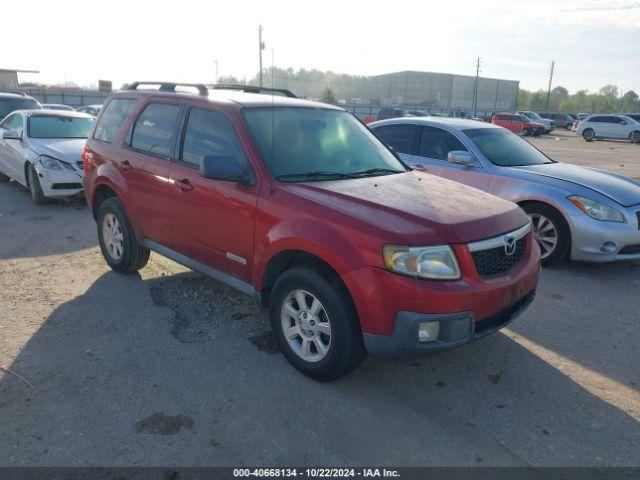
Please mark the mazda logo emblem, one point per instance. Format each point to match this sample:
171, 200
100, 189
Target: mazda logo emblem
509, 246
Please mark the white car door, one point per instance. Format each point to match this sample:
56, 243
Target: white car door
11, 149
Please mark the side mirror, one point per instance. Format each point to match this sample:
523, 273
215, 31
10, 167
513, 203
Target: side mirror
12, 135
462, 158
225, 167
622, 122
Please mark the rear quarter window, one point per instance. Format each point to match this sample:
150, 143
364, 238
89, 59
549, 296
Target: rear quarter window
113, 118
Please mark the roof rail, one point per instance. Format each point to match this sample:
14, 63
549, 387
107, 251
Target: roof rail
171, 86
253, 89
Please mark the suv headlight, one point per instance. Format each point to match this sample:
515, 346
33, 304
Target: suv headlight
597, 210
50, 163
438, 262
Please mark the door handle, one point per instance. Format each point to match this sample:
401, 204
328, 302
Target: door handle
184, 185
125, 165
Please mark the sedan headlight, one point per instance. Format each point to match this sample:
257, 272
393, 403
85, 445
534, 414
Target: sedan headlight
50, 163
438, 262
597, 210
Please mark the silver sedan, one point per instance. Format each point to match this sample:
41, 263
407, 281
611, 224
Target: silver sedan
577, 212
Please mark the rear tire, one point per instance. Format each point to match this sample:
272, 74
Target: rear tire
331, 332
550, 231
588, 135
118, 242
35, 189
635, 136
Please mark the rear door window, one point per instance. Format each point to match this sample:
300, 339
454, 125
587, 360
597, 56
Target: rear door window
154, 129
400, 137
113, 118
209, 133
437, 143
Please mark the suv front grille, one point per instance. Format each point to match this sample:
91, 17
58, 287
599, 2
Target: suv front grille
495, 261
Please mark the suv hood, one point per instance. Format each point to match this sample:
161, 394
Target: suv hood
66, 149
416, 207
620, 189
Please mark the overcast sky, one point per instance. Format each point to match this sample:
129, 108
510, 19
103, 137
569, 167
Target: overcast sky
593, 42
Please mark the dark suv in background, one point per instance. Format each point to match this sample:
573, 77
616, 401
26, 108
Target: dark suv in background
562, 120
16, 101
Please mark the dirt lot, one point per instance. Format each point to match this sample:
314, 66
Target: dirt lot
616, 156
170, 368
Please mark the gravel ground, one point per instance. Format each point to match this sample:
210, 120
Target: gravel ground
167, 367
616, 156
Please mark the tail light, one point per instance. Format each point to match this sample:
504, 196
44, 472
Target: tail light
86, 157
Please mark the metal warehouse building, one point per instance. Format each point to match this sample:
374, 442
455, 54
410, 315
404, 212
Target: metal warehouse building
443, 90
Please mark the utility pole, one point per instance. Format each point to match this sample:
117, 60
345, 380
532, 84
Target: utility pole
260, 48
550, 80
216, 61
475, 88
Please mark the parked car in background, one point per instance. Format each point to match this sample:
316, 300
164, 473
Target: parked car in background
90, 109
393, 112
297, 204
561, 120
42, 150
512, 122
577, 212
549, 125
16, 101
616, 127
58, 106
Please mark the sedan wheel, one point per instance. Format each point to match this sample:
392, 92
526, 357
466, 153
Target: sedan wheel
545, 233
635, 137
588, 135
306, 325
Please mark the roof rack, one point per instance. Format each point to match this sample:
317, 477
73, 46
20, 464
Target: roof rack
253, 89
171, 86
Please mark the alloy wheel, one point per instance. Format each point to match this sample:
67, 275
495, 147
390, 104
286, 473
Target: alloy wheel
545, 233
305, 325
112, 236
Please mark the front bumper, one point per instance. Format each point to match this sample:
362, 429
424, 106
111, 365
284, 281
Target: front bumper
59, 183
589, 237
455, 329
387, 303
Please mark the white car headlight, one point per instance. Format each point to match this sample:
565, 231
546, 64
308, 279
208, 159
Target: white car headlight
438, 262
596, 209
50, 163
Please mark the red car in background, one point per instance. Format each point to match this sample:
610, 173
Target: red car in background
517, 124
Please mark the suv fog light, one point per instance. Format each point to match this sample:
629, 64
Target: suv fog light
428, 331
608, 247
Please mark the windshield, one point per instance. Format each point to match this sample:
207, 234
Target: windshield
311, 143
532, 115
8, 105
53, 126
506, 149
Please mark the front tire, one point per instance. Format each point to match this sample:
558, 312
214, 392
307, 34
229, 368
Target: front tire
635, 136
550, 231
118, 242
35, 189
588, 135
315, 323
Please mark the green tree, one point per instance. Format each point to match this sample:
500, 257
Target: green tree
328, 96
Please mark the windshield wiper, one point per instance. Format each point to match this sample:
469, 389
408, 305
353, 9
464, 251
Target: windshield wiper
372, 171
316, 174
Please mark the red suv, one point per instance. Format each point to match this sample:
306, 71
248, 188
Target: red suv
299, 205
517, 124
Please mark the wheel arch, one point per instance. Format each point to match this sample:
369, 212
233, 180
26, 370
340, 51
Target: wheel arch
528, 202
101, 193
285, 260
